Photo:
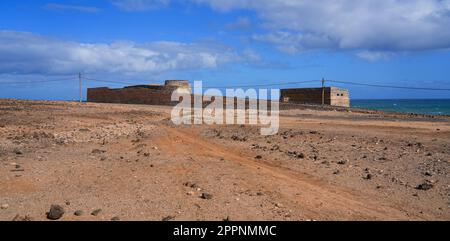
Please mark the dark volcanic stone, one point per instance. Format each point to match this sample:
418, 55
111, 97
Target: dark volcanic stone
168, 218
368, 176
342, 162
55, 213
96, 212
206, 196
78, 213
18, 151
424, 186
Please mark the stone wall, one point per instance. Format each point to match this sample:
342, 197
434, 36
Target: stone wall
332, 96
130, 96
161, 95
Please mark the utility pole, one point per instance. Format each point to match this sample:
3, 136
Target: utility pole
323, 91
81, 90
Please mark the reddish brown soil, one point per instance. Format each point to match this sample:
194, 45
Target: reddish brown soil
133, 163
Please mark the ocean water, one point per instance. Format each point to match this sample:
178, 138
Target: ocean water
418, 106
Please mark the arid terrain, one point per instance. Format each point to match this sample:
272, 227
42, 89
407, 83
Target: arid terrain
129, 162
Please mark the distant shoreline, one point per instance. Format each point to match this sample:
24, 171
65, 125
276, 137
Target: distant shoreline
436, 107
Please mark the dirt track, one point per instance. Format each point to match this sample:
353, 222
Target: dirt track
131, 162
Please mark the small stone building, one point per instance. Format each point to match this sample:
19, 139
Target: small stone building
330, 95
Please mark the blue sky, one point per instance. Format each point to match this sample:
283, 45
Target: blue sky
224, 43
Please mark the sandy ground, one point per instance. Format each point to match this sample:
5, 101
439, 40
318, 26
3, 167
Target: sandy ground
131, 162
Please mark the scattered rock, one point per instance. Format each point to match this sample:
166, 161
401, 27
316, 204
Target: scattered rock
78, 213
190, 193
296, 154
258, 157
336, 172
206, 196
96, 212
168, 218
18, 151
368, 176
98, 151
428, 173
191, 185
342, 162
5, 206
238, 138
116, 218
227, 219
22, 218
275, 148
425, 186
55, 213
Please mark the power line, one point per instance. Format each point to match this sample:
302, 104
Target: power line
261, 85
109, 81
388, 86
37, 81
212, 87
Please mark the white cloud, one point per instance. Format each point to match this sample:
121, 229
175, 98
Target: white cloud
374, 25
292, 43
140, 5
251, 55
373, 56
240, 23
28, 53
65, 7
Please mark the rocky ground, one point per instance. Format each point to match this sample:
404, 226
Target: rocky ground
70, 161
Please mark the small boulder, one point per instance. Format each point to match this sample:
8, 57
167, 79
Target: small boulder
368, 176
18, 151
206, 196
96, 212
424, 186
342, 162
168, 218
78, 213
55, 213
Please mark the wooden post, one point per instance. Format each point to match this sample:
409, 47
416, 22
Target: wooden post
323, 91
81, 87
